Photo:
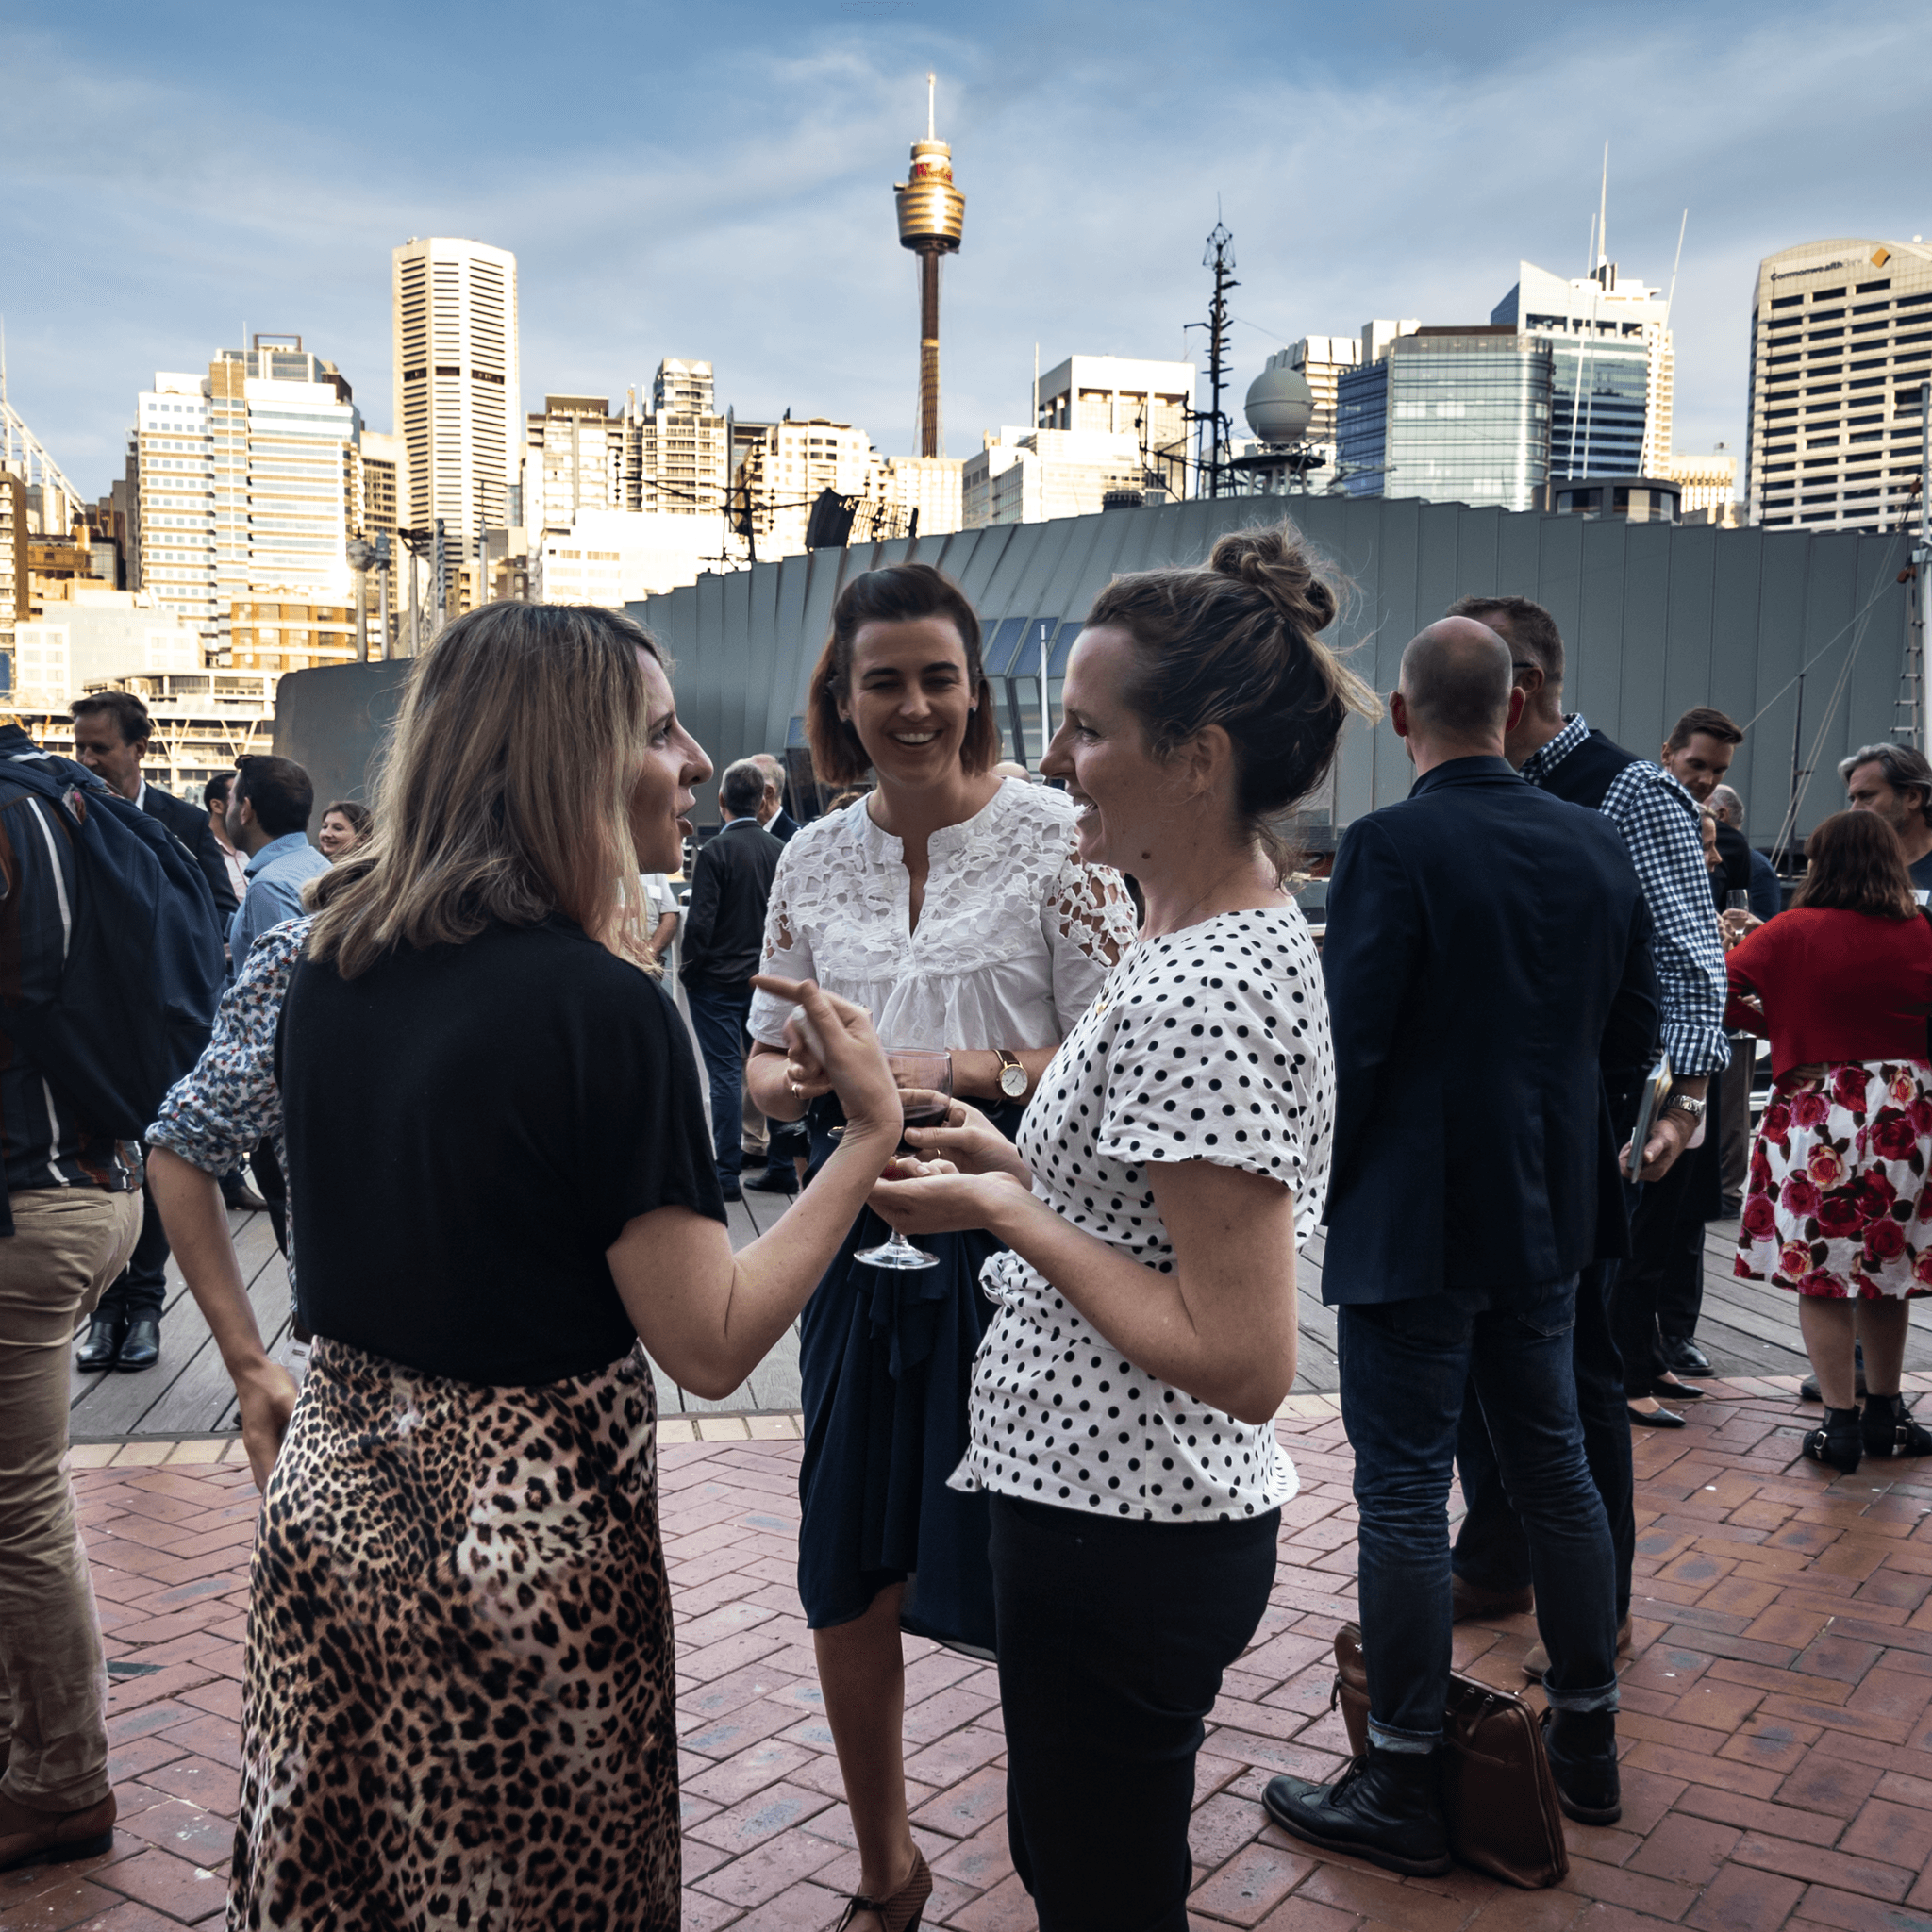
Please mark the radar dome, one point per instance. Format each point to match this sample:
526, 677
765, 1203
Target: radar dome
1280, 404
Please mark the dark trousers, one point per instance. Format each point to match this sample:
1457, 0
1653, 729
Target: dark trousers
141, 1290
1112, 1640
1406, 1367
718, 1014
1640, 1294
1492, 1551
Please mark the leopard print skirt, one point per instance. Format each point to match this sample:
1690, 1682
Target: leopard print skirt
460, 1707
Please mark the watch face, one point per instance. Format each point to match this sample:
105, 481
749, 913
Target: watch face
1013, 1082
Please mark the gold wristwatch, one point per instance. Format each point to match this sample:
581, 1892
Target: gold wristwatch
1013, 1076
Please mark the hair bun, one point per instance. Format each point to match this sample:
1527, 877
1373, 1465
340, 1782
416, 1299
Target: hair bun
1270, 558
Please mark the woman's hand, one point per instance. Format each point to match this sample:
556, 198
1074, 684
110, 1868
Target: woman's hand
972, 1143
943, 1201
266, 1398
833, 1038
1736, 923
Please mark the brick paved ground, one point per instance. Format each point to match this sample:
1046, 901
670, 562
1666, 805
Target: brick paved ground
1777, 1745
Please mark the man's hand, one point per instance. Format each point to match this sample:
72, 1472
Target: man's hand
1669, 1134
266, 1398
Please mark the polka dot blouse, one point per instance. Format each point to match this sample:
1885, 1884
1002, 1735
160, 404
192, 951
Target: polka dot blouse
1210, 1044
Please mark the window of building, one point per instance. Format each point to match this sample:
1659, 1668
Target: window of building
1787, 301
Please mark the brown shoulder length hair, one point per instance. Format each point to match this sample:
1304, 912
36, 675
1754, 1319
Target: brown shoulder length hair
505, 790
898, 593
1854, 864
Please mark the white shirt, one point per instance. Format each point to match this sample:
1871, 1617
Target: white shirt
1212, 1044
1014, 938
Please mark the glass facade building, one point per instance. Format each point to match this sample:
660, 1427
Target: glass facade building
1469, 417
1362, 428
1599, 407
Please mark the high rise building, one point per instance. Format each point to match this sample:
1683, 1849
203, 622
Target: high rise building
381, 468
92, 633
1840, 346
1323, 360
1708, 480
1117, 396
458, 407
785, 467
574, 455
931, 487
1454, 415
245, 483
14, 570
679, 455
1027, 476
1612, 368
615, 557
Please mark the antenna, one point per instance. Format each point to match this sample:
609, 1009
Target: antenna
1603, 219
1589, 253
1672, 297
931, 81
1213, 421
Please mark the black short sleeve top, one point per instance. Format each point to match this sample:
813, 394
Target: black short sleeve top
469, 1129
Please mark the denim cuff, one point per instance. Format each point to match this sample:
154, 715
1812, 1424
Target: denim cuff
1385, 1738
1603, 1699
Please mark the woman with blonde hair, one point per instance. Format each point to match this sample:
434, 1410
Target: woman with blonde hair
458, 1705
1123, 1409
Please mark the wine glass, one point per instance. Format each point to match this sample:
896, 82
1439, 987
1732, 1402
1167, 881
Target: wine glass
1736, 900
925, 1079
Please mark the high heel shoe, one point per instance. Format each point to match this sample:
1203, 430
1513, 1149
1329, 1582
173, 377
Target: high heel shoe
902, 1911
1840, 1444
1656, 1418
1889, 1428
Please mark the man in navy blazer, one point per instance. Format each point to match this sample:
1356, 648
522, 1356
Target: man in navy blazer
1488, 944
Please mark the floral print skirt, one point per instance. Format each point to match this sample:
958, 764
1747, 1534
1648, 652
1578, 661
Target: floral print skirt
1839, 1201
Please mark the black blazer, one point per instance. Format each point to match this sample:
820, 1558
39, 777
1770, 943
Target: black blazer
784, 827
194, 831
725, 922
1488, 961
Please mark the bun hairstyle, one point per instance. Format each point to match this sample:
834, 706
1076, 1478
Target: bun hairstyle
897, 594
1233, 642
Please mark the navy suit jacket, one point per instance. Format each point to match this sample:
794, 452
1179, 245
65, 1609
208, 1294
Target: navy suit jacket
192, 826
1488, 964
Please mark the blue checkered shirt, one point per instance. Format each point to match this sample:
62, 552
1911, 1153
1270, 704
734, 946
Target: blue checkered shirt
1658, 820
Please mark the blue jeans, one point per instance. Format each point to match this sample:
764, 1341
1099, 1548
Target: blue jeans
718, 1014
1405, 1366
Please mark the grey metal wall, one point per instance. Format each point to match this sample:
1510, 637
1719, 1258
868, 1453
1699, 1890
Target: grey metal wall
1656, 619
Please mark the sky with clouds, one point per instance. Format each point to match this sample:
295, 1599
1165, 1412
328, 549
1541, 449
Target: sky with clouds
715, 182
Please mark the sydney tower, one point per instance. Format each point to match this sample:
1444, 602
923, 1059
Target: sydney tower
931, 214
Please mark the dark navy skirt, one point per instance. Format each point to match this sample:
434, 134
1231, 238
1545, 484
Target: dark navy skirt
886, 1360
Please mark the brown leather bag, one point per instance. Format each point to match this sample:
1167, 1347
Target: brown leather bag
1498, 1795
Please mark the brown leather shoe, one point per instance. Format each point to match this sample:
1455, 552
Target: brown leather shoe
1536, 1659
1466, 1601
31, 1837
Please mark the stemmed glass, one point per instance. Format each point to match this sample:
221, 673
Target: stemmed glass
925, 1079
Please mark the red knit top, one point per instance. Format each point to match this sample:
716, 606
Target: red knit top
1836, 986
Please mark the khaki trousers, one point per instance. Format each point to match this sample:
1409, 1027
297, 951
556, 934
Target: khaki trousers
69, 1243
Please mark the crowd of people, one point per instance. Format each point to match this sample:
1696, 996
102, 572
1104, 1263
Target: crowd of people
1073, 1038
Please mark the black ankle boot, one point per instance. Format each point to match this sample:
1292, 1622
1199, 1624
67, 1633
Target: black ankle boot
1386, 1807
103, 1343
1581, 1746
1840, 1443
1889, 1430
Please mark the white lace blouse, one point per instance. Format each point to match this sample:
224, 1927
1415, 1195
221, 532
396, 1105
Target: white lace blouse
1014, 939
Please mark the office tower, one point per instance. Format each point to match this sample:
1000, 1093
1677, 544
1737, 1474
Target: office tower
1840, 346
1027, 476
245, 483
1708, 481
457, 409
615, 557
679, 459
14, 569
931, 487
1117, 395
381, 469
1454, 415
1323, 360
1612, 368
931, 215
573, 460
785, 468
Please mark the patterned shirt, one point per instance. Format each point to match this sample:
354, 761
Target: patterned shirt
216, 1112
1658, 820
43, 1142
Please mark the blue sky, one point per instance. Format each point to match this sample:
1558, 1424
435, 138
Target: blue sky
715, 182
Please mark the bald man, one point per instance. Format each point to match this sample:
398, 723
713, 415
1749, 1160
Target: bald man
1483, 940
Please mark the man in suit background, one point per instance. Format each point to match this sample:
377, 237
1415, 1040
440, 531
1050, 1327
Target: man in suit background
723, 937
771, 814
111, 732
1483, 939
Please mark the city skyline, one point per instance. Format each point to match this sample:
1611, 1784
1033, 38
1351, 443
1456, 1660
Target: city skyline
751, 224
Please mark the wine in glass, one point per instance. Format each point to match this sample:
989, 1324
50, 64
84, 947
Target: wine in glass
925, 1079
